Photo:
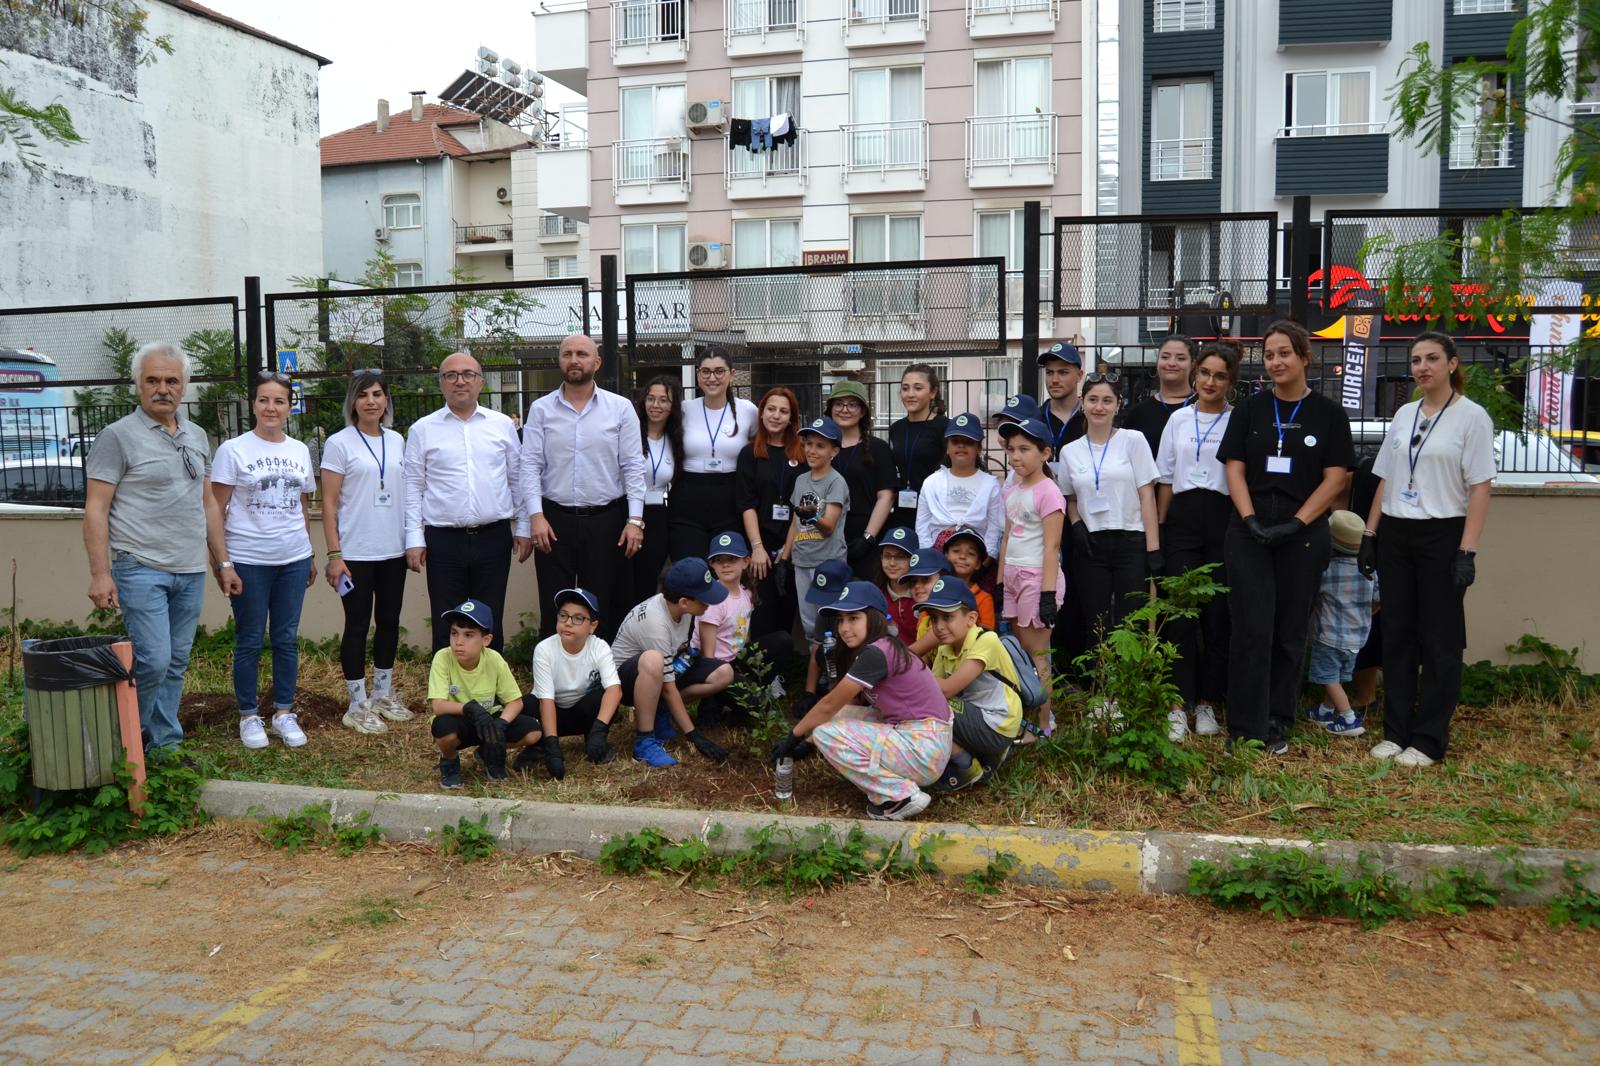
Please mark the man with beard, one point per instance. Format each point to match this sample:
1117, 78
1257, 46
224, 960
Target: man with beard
464, 514
583, 485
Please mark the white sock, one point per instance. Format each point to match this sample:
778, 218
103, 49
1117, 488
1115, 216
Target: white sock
357, 690
382, 683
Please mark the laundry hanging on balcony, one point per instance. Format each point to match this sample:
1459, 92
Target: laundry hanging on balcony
761, 135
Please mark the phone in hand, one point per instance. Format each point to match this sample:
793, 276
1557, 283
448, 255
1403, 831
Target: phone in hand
345, 585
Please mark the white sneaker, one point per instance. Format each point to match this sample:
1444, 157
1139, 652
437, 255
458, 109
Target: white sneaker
391, 708
1205, 720
1412, 757
1386, 750
252, 734
287, 728
363, 718
1177, 725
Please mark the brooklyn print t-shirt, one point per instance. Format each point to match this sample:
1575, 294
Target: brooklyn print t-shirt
265, 525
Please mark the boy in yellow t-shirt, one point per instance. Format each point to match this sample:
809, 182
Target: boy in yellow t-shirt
465, 684
979, 679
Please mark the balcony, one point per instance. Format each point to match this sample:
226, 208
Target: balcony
875, 22
982, 299
754, 175
650, 170
1347, 159
1008, 18
561, 46
1180, 159
475, 240
649, 31
763, 27
890, 305
884, 156
1183, 16
564, 182
1470, 149
1011, 150
554, 229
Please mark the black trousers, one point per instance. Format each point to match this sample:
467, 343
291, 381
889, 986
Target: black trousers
644, 569
585, 555
1197, 524
1109, 582
381, 584
1269, 602
776, 605
468, 564
700, 507
1424, 630
1069, 639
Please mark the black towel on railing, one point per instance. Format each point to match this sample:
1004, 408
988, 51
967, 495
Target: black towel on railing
788, 136
739, 133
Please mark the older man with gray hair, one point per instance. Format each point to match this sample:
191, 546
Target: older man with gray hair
149, 519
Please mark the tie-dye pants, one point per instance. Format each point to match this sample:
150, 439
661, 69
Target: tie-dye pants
887, 761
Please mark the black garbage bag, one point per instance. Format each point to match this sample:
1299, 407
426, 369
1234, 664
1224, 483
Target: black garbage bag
71, 663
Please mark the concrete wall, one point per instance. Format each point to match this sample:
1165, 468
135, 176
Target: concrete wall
352, 207
197, 170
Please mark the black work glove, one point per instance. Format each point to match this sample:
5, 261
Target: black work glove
1257, 530
782, 575
788, 747
1155, 564
805, 511
1284, 531
1466, 568
552, 757
1047, 607
999, 603
1367, 556
706, 746
1082, 543
597, 742
859, 548
490, 728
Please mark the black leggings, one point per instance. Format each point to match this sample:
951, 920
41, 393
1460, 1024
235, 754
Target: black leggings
382, 583
700, 507
1197, 524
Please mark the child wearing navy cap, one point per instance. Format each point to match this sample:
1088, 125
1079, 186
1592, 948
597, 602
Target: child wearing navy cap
475, 700
723, 632
895, 550
575, 685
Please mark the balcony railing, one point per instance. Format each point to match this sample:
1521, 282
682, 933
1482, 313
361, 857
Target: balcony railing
881, 12
1011, 141
1180, 159
983, 293
1471, 150
1338, 129
879, 147
635, 22
1183, 16
769, 299
761, 17
784, 161
558, 226
494, 233
895, 294
976, 8
649, 161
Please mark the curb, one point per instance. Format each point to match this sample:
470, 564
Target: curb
1089, 859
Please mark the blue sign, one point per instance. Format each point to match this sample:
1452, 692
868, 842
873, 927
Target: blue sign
289, 363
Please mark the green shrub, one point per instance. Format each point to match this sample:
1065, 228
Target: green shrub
96, 819
989, 880
1579, 905
467, 840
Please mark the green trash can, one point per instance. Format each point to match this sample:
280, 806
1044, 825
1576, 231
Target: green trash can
72, 691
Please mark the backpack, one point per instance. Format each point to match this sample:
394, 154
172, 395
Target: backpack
1031, 690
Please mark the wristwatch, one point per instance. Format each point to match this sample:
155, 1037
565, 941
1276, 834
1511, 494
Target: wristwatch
225, 565
636, 522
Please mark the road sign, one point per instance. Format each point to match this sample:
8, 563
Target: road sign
289, 363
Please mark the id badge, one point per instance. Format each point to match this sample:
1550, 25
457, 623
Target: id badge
655, 497
1098, 504
1279, 464
780, 512
1199, 477
713, 464
908, 499
383, 498
1411, 496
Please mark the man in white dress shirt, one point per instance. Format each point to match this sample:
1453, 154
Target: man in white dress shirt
464, 514
583, 484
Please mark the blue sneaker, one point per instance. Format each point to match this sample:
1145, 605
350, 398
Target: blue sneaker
664, 729
649, 751
1321, 715
1346, 725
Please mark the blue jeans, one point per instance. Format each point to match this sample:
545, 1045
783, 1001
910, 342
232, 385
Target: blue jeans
271, 598
160, 611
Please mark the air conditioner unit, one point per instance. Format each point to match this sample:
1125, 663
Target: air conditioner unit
841, 359
707, 116
503, 194
707, 255
381, 233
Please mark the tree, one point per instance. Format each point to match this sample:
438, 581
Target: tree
24, 123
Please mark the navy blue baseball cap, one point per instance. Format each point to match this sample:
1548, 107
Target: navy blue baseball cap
859, 596
1033, 429
964, 425
1019, 408
899, 537
474, 611
949, 594
823, 427
583, 596
693, 578
1063, 351
927, 563
729, 544
830, 577
965, 533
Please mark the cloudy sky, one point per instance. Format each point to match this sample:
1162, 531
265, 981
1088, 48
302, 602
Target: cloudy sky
386, 50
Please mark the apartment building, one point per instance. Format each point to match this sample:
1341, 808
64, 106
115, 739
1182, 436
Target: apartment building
919, 129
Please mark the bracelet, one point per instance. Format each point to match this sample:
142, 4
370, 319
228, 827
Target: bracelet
335, 554
1369, 532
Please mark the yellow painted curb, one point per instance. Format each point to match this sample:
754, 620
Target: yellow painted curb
1094, 859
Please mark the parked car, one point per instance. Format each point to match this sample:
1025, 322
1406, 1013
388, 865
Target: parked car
1527, 458
54, 482
1583, 445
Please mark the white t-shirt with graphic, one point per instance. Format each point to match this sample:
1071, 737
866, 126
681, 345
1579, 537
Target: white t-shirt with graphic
565, 678
265, 524
1026, 509
947, 501
649, 627
372, 506
732, 619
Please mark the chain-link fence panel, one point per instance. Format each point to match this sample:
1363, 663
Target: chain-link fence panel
94, 344
1136, 265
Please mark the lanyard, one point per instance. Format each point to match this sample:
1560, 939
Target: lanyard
383, 444
1277, 421
656, 460
1199, 440
909, 439
1102, 462
1055, 443
711, 434
1414, 451
778, 459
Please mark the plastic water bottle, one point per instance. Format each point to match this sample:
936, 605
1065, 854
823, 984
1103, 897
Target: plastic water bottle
829, 642
783, 781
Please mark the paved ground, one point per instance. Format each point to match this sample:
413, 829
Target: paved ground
217, 950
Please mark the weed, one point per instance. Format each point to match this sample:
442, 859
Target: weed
358, 834
97, 819
373, 912
1579, 905
466, 840
989, 880
647, 959
308, 827
1554, 676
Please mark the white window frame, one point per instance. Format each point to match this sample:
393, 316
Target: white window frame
396, 202
1468, 148
761, 17
882, 12
771, 297
656, 235
1191, 154
887, 143
566, 266
407, 274
1485, 7
783, 159
890, 371
1183, 16
1328, 127
889, 294
981, 300
1001, 368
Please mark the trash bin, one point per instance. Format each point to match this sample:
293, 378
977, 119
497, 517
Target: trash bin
76, 692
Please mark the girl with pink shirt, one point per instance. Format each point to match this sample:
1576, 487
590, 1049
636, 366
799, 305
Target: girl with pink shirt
723, 632
1031, 585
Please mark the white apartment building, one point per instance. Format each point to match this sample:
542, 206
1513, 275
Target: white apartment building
922, 128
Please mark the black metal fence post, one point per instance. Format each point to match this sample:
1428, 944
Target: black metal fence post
254, 360
1032, 220
610, 354
1302, 244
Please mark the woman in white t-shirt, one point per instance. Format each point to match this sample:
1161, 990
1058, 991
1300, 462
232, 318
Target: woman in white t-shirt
262, 481
363, 522
959, 494
1110, 475
716, 427
1436, 465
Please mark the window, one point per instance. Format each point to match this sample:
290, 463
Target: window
407, 274
560, 266
1180, 130
655, 248
557, 226
647, 21
1001, 233
999, 382
1182, 16
763, 16
885, 130
652, 147
1486, 7
762, 98
886, 239
888, 389
1324, 103
1013, 114
884, 10
767, 242
1481, 138
402, 211
1180, 265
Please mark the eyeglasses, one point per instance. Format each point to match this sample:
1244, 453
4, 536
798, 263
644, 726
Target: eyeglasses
714, 371
1110, 377
459, 375
275, 375
848, 405
568, 619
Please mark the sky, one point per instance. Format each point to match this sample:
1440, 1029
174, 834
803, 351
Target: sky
385, 50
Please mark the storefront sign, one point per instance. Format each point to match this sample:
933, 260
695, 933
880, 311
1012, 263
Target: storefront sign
1550, 389
829, 257
1363, 322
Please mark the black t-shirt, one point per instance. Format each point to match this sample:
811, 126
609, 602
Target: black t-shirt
760, 483
868, 468
1315, 437
1149, 416
918, 449
1064, 433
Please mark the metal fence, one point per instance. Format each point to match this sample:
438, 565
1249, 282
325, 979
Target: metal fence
92, 344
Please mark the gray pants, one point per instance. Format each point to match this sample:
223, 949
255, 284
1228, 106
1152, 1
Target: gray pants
803, 576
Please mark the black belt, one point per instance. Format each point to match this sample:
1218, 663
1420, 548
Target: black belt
584, 512
474, 530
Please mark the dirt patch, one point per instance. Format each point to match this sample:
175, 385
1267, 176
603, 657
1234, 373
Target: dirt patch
315, 710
